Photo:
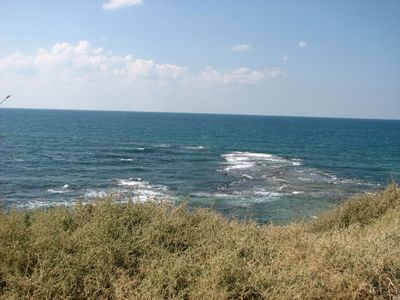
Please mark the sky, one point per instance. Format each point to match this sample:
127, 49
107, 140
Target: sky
293, 58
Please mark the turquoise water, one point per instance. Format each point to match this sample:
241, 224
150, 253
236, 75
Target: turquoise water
267, 168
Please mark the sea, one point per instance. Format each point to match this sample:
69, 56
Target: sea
263, 168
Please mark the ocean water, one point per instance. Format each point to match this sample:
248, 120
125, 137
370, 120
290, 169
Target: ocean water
266, 168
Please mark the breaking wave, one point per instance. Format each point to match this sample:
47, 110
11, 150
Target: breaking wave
63, 190
141, 190
256, 176
194, 147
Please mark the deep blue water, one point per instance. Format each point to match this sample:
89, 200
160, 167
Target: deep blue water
267, 168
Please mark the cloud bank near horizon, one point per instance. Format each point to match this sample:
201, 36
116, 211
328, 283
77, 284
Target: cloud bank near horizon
85, 63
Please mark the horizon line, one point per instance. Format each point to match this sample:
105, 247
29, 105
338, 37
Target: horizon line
203, 113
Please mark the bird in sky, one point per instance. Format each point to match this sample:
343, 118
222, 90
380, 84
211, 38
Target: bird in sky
8, 96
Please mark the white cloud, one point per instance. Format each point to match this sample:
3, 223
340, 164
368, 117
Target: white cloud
274, 73
241, 48
86, 63
302, 44
115, 4
83, 64
285, 58
238, 76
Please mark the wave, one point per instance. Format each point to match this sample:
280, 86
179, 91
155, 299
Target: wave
266, 176
130, 182
163, 145
128, 150
141, 150
195, 147
95, 194
246, 160
142, 190
35, 204
297, 192
63, 190
237, 198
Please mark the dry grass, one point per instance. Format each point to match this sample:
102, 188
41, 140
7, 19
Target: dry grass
153, 251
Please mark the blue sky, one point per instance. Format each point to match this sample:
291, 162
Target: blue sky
304, 58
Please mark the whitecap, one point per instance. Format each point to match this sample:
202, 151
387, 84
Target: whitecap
201, 194
163, 145
247, 176
273, 176
63, 190
95, 194
142, 190
305, 179
126, 159
130, 182
194, 147
245, 160
282, 187
43, 203
267, 193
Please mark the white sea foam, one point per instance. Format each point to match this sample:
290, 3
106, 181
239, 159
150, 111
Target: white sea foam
131, 182
244, 160
63, 190
43, 203
163, 145
305, 178
126, 159
267, 193
201, 195
265, 177
95, 194
140, 148
142, 190
194, 147
208, 195
282, 187
297, 192
248, 196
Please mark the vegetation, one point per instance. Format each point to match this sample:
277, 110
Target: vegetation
156, 251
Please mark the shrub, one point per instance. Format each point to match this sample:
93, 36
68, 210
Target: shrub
106, 250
